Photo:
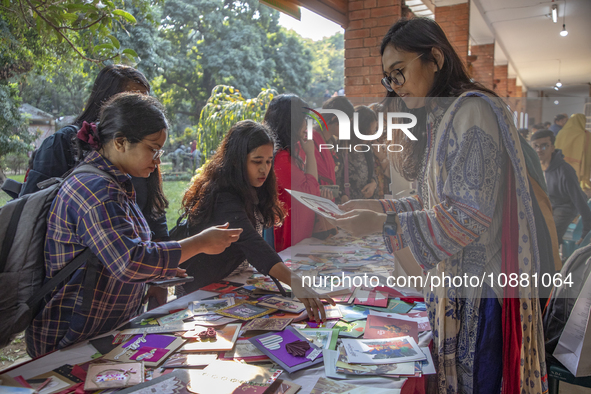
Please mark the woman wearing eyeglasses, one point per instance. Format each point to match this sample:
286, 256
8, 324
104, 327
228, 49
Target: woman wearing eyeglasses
100, 213
474, 217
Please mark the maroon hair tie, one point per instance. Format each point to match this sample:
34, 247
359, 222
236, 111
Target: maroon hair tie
88, 134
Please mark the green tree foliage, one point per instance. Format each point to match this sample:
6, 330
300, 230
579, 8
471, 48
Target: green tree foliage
213, 42
13, 136
328, 67
224, 108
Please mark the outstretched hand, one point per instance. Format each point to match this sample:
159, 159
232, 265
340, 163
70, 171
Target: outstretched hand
372, 205
215, 240
360, 222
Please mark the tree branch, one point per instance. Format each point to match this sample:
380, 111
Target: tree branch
83, 27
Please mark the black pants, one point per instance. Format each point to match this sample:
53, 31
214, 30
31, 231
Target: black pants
563, 216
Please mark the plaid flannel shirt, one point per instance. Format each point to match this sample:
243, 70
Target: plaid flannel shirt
94, 211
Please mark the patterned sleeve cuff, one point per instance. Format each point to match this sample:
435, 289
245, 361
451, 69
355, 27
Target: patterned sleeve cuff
393, 242
388, 206
172, 252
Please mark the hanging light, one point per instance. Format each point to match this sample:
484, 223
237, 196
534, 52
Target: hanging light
554, 13
558, 84
564, 33
555, 87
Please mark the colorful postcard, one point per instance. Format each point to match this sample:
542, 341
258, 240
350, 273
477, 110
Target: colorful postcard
333, 312
325, 338
352, 312
395, 306
185, 360
245, 310
343, 367
222, 287
114, 375
382, 351
385, 327
266, 324
224, 341
177, 317
319, 205
353, 329
283, 304
422, 318
244, 351
208, 307
275, 346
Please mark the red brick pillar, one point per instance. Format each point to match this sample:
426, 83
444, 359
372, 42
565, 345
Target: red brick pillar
500, 80
369, 21
483, 66
511, 87
455, 22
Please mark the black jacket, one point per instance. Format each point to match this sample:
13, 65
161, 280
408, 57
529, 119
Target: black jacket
207, 269
564, 189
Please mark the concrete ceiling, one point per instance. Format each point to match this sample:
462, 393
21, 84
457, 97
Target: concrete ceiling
526, 38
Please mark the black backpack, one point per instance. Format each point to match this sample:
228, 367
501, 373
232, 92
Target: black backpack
23, 228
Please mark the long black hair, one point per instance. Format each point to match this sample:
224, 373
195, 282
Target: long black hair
226, 171
286, 124
420, 36
134, 116
111, 80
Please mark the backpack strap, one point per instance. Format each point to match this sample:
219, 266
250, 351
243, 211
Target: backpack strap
90, 276
11, 231
60, 277
281, 289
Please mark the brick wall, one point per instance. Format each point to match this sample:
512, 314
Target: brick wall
511, 87
369, 21
455, 22
500, 80
483, 66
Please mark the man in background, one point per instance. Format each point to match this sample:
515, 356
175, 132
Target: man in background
566, 196
559, 121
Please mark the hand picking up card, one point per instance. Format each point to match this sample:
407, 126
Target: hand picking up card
289, 349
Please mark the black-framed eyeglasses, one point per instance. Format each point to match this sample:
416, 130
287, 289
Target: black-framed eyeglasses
157, 152
396, 76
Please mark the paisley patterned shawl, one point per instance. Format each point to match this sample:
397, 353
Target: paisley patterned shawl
458, 231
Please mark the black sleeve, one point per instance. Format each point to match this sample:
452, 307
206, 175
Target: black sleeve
229, 208
158, 226
207, 269
578, 197
53, 158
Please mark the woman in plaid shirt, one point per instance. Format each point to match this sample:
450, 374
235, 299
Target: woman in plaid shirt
101, 213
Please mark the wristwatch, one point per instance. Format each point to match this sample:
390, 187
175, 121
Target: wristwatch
390, 226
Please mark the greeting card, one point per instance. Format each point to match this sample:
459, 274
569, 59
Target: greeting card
289, 349
176, 317
382, 351
283, 304
266, 324
371, 298
245, 310
153, 349
325, 338
385, 327
208, 307
113, 375
353, 329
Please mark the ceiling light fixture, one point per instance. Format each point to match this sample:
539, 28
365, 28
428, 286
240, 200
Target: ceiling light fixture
564, 33
554, 13
555, 87
559, 84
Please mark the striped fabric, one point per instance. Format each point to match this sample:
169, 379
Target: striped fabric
94, 211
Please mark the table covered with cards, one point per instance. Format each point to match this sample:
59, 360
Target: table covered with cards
241, 335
